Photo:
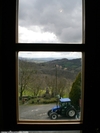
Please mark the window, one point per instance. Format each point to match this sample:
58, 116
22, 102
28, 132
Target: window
45, 21
64, 28
8, 91
46, 79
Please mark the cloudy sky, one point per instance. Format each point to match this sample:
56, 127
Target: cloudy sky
47, 21
58, 55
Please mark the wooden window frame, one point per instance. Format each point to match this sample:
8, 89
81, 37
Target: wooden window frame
9, 47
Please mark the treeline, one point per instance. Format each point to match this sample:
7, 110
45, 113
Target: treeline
33, 79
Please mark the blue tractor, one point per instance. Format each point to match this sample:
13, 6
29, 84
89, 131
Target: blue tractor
63, 108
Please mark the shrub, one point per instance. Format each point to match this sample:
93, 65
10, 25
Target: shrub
47, 101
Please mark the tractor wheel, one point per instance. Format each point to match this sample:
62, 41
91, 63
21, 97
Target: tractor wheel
71, 113
53, 116
49, 112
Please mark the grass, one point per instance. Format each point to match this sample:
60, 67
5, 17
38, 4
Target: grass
66, 95
27, 92
30, 93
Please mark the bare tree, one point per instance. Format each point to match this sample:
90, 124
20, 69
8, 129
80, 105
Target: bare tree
61, 86
51, 83
36, 84
25, 74
24, 79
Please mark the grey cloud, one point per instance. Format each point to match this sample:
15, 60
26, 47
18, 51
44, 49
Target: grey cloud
69, 33
66, 25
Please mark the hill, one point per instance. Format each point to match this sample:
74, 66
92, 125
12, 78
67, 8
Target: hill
62, 67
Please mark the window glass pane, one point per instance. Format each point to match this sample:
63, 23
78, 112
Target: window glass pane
49, 85
50, 21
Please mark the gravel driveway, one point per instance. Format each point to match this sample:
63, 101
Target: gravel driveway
36, 112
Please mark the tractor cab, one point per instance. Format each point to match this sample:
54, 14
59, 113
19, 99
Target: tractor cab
64, 102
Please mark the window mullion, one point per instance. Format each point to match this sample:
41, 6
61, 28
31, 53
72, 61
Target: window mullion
49, 47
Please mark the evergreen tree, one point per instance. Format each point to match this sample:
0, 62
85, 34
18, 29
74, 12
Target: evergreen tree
75, 93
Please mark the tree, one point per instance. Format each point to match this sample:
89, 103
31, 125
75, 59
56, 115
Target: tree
36, 84
75, 93
25, 75
24, 78
61, 86
51, 84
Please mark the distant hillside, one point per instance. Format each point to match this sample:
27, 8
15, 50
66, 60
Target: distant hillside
65, 68
36, 60
65, 63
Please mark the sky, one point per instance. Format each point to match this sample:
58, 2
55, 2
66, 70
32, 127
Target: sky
57, 55
50, 21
